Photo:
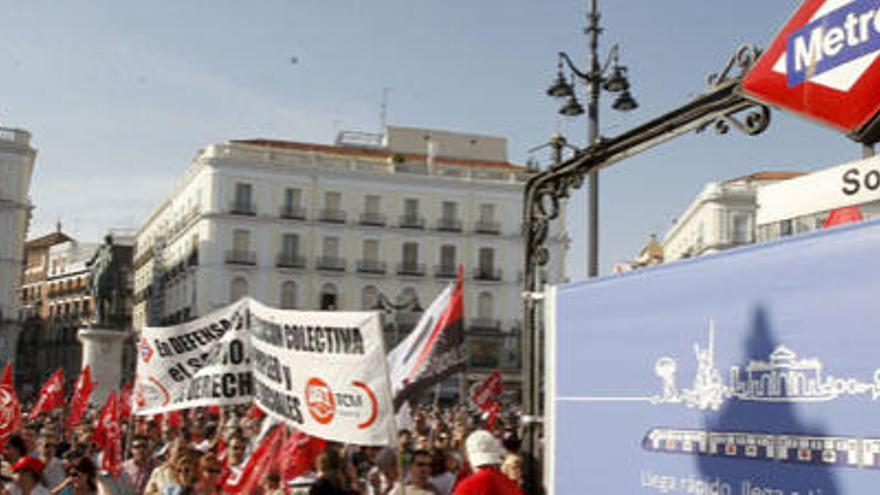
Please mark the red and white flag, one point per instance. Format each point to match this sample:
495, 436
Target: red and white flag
51, 395
258, 464
485, 394
108, 436
298, 454
79, 402
125, 401
434, 349
10, 408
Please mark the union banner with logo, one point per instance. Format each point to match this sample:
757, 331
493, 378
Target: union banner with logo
322, 372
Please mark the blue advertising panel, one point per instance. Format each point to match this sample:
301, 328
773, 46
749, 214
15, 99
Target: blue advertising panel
751, 372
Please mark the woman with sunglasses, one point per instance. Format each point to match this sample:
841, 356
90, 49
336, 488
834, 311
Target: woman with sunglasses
80, 479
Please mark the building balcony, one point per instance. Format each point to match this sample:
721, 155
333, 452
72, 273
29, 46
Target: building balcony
289, 260
373, 219
411, 269
484, 325
411, 222
332, 216
488, 274
487, 227
236, 257
330, 263
291, 212
444, 271
449, 225
243, 208
406, 320
371, 266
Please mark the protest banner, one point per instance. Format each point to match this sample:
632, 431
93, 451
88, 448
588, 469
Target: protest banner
745, 372
203, 362
324, 372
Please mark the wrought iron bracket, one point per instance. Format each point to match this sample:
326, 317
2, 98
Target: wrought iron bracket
721, 106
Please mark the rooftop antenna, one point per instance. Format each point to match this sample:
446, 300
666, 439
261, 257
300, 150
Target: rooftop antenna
383, 112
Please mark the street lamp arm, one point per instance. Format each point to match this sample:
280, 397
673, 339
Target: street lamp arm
579, 73
613, 58
383, 303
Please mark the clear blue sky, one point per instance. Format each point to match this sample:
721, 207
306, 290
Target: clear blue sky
120, 95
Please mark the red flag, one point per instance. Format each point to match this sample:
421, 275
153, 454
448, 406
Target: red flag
108, 436
258, 464
255, 412
51, 395
125, 402
842, 216
10, 408
174, 419
79, 402
298, 454
485, 394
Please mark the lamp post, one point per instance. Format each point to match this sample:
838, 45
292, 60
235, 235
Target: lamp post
610, 77
386, 305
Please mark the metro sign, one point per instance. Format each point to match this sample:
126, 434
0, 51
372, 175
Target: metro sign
824, 65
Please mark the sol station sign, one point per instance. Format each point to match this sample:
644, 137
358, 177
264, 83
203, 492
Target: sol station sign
824, 65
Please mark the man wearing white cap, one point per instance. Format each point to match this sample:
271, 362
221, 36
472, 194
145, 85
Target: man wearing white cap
485, 454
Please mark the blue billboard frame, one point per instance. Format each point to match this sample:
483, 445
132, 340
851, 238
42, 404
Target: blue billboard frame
748, 371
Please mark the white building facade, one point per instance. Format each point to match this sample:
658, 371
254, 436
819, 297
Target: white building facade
302, 225
722, 216
804, 204
16, 169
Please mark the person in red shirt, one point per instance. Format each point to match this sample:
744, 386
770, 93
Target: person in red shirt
484, 454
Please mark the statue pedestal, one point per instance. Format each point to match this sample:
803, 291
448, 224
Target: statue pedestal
102, 350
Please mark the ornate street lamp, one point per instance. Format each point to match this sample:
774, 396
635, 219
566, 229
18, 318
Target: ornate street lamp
610, 77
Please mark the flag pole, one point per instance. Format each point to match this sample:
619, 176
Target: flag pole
392, 425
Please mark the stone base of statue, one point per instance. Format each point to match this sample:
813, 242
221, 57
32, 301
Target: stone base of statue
102, 351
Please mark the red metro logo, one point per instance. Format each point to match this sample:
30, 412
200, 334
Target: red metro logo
825, 65
358, 403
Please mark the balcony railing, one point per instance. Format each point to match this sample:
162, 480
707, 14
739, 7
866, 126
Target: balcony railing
487, 227
449, 224
236, 257
371, 266
292, 212
374, 219
484, 325
330, 263
332, 216
487, 273
411, 269
411, 222
407, 319
444, 271
288, 260
242, 208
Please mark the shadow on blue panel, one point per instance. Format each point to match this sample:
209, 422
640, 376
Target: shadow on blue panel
765, 445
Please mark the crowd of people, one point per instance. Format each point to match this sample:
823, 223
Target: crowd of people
209, 451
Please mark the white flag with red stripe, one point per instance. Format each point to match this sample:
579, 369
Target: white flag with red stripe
434, 349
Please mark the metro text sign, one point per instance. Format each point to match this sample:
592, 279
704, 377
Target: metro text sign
824, 65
